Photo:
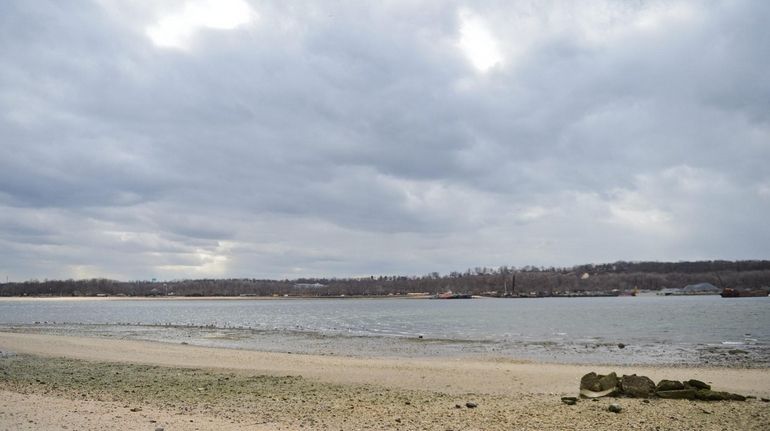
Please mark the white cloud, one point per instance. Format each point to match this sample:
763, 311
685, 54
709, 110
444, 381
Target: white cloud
176, 29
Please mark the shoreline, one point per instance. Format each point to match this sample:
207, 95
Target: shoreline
340, 344
96, 383
444, 374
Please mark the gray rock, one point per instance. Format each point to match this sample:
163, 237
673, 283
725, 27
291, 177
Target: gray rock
615, 408
598, 383
765, 400
621, 346
471, 405
159, 429
709, 395
697, 384
678, 394
637, 386
669, 385
591, 382
570, 401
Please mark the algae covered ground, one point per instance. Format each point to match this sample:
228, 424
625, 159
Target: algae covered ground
291, 402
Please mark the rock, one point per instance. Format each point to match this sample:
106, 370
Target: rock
598, 383
610, 381
669, 385
637, 386
458, 406
159, 429
570, 401
621, 346
765, 400
678, 394
737, 352
697, 384
615, 408
709, 395
135, 409
591, 382
471, 405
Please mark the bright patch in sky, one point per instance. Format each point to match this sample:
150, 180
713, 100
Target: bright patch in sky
477, 43
176, 30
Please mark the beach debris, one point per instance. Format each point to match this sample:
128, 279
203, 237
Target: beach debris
637, 386
135, 409
594, 385
615, 408
570, 401
591, 394
471, 405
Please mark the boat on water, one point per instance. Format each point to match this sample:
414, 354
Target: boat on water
743, 293
450, 295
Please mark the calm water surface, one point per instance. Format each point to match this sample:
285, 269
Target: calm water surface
684, 330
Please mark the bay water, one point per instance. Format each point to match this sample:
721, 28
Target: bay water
685, 330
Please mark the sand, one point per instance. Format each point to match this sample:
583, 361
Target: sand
290, 391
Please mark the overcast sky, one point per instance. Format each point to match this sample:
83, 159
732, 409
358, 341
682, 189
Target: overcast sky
232, 138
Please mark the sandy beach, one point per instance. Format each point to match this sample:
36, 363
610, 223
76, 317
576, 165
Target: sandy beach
71, 374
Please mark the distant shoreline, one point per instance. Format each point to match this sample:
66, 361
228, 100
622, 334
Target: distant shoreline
199, 298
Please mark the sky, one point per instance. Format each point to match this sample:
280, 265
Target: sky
176, 139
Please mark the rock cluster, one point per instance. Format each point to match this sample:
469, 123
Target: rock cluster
594, 385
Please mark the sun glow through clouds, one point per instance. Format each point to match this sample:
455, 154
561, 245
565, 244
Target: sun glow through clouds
477, 43
177, 29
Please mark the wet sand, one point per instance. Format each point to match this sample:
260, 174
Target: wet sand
332, 392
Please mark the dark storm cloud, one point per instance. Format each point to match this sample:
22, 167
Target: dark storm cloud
348, 138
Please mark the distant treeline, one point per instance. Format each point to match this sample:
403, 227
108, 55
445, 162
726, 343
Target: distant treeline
623, 276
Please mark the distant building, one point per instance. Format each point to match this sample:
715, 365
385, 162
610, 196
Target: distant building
701, 289
309, 285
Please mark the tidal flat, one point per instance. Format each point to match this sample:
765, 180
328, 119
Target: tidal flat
47, 391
